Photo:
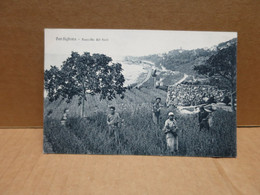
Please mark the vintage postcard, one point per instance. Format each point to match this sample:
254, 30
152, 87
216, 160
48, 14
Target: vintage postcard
140, 92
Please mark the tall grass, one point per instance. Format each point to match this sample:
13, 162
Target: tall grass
220, 140
138, 134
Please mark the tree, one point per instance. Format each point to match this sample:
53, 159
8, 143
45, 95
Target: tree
222, 66
85, 74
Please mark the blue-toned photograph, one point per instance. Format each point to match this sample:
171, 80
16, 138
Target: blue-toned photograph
140, 92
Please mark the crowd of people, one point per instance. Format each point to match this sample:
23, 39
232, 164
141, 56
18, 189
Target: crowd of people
191, 95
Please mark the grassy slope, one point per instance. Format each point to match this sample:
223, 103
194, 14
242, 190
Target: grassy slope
138, 135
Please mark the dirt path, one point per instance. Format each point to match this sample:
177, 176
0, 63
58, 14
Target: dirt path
181, 80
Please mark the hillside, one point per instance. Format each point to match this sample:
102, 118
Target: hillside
183, 60
138, 134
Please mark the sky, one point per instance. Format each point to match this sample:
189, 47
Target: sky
59, 43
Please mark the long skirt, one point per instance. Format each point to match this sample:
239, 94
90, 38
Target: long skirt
156, 118
114, 133
172, 142
210, 121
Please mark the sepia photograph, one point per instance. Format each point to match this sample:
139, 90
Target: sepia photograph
140, 92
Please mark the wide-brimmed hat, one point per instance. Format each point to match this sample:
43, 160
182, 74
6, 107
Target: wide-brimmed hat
158, 98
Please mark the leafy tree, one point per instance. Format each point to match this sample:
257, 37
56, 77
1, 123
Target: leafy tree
85, 74
222, 66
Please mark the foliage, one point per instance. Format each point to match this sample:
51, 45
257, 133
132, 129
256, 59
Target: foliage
222, 64
82, 74
221, 68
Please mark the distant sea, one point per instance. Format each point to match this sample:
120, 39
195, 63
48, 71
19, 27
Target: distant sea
131, 72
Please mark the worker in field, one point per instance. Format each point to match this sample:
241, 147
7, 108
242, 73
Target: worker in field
114, 122
64, 119
171, 131
157, 111
203, 118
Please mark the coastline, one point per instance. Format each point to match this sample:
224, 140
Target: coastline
134, 73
